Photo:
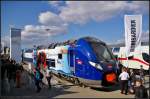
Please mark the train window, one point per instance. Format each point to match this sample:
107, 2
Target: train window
52, 63
48, 62
59, 56
101, 51
130, 57
146, 57
116, 49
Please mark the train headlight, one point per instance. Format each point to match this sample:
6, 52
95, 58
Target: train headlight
96, 65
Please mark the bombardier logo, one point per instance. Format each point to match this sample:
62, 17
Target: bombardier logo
133, 35
133, 32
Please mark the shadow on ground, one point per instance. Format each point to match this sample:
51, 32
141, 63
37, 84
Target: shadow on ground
113, 88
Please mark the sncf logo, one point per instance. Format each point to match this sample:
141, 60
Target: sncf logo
79, 61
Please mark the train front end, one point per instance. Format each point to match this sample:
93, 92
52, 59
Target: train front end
100, 67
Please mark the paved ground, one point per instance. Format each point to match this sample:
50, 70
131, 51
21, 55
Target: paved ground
64, 90
67, 91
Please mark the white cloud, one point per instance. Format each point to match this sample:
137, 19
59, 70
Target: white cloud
35, 35
42, 31
82, 12
49, 18
55, 3
79, 12
6, 40
50, 25
138, 6
144, 38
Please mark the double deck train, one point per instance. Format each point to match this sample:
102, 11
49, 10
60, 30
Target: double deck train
86, 60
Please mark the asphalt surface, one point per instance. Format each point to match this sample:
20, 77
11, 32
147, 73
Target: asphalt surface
62, 89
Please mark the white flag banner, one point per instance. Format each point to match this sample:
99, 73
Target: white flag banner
133, 31
15, 44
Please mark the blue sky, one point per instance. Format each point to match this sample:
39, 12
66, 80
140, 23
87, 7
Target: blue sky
69, 20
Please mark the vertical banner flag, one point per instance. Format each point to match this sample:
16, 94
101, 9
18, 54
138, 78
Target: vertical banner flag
34, 53
15, 44
133, 31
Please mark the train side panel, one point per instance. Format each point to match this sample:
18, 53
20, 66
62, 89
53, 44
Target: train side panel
137, 60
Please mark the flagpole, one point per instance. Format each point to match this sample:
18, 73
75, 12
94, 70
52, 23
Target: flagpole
10, 41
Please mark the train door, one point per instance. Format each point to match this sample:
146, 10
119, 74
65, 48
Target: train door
59, 60
71, 61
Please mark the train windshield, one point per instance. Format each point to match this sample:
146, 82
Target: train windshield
101, 51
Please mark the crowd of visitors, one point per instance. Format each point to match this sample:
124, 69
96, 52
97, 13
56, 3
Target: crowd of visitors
132, 81
13, 75
10, 73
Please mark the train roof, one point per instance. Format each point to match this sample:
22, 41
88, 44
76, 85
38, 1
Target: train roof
73, 41
68, 42
93, 39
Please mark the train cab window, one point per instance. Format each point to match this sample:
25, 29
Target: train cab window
146, 57
102, 51
59, 56
116, 49
52, 63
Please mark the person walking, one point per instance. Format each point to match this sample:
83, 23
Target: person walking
38, 78
18, 78
140, 91
48, 77
141, 72
131, 81
124, 76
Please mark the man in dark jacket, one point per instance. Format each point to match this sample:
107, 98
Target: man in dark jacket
140, 91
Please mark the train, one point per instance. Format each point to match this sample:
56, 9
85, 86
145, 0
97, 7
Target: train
86, 60
139, 57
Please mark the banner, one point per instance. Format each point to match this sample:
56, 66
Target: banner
15, 44
34, 54
133, 31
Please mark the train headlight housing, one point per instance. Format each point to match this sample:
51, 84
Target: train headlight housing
95, 65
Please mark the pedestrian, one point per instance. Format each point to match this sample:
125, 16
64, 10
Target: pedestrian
140, 91
131, 81
18, 78
48, 77
124, 76
141, 72
38, 79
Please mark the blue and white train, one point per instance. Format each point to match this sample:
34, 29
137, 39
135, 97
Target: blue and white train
87, 59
